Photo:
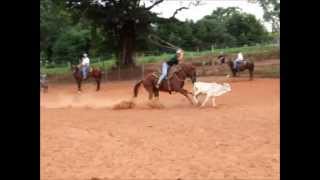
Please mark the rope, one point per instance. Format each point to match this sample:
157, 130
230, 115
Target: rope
168, 45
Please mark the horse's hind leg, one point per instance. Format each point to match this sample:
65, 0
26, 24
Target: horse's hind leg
156, 93
150, 91
150, 96
251, 74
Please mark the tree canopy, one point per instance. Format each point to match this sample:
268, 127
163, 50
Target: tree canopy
121, 27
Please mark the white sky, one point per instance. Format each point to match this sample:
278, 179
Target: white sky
168, 7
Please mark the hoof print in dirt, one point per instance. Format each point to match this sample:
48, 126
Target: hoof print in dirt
155, 105
124, 105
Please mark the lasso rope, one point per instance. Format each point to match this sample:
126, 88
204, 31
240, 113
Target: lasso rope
168, 45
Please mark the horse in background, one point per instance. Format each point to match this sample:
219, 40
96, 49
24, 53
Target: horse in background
245, 65
94, 73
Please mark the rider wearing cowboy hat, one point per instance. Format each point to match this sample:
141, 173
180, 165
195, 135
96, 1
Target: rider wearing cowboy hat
85, 64
237, 61
166, 65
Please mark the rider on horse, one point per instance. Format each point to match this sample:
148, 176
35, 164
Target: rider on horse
238, 61
166, 65
85, 64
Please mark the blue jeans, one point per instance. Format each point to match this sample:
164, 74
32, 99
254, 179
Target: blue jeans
164, 72
85, 70
236, 64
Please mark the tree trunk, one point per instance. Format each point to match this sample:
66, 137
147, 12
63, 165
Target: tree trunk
127, 48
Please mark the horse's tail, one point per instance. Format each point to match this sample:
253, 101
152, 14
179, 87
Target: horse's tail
136, 88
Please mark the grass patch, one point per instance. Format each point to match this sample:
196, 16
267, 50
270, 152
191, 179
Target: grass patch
253, 52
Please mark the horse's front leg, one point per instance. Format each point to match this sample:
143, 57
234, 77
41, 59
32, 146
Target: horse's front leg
79, 85
185, 93
98, 84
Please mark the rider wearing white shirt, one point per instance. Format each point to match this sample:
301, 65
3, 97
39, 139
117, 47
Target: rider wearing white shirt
237, 62
85, 65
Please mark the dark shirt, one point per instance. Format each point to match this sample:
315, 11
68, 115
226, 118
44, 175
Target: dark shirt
173, 61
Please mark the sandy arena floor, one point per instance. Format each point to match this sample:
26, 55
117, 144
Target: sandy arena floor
83, 138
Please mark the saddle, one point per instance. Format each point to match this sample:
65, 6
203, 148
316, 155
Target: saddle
244, 62
171, 71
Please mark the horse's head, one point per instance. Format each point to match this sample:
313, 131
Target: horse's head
75, 68
190, 71
221, 60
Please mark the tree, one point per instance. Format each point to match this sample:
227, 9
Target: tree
271, 10
212, 30
122, 20
53, 20
246, 28
71, 44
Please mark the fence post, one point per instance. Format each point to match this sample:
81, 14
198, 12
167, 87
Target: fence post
106, 75
119, 72
142, 68
212, 48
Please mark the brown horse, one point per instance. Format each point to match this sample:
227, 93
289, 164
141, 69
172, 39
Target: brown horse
96, 73
176, 76
245, 65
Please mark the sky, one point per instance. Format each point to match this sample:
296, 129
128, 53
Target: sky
168, 7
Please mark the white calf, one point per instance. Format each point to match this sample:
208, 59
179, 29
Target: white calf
212, 90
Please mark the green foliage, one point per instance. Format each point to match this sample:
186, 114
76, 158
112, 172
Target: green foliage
271, 10
68, 31
246, 29
71, 44
225, 27
53, 20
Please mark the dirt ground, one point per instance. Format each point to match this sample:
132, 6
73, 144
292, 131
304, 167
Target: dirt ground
82, 138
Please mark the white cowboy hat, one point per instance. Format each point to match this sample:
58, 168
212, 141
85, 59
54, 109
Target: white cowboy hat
179, 51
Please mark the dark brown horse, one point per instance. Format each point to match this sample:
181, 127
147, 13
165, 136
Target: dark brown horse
177, 75
245, 65
96, 73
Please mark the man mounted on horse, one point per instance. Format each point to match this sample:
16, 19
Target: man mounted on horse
237, 65
83, 71
177, 76
168, 64
238, 61
85, 66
